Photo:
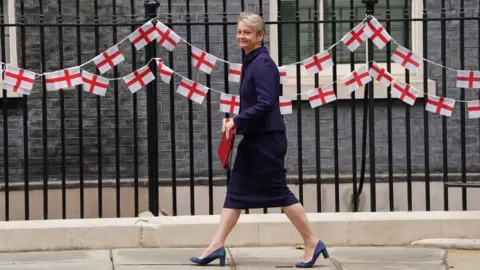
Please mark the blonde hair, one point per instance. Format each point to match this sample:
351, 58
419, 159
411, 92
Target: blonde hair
253, 20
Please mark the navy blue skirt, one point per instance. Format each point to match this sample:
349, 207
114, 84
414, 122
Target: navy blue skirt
258, 178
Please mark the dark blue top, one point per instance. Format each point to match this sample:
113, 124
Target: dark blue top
259, 95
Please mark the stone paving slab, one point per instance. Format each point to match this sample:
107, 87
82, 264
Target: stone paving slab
159, 258
72, 260
388, 255
463, 259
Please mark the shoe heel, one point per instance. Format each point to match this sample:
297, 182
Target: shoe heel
222, 261
325, 253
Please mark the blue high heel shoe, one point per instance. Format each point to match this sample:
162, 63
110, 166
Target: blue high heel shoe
217, 254
319, 249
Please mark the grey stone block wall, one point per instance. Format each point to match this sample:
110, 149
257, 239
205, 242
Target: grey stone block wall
199, 114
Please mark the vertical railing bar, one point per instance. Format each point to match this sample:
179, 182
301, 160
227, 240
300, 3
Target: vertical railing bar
5, 118
99, 122
152, 116
135, 119
318, 160
190, 115
407, 113
425, 112
44, 115
25, 109
299, 103
172, 120
117, 120
353, 115
209, 109
389, 116
335, 111
80, 114
371, 132
62, 110
462, 107
444, 118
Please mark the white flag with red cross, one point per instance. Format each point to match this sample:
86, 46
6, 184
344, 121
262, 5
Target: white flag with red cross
283, 74
167, 38
139, 79
108, 59
355, 37
203, 60
63, 79
285, 105
318, 63
18, 80
375, 31
405, 92
468, 79
166, 73
143, 35
321, 95
229, 103
440, 105
234, 72
192, 90
380, 74
94, 84
474, 109
357, 79
406, 59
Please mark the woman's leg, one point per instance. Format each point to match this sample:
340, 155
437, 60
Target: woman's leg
228, 219
296, 214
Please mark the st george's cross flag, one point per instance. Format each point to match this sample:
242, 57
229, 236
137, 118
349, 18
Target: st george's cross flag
143, 35
94, 84
380, 74
406, 59
355, 37
229, 103
108, 59
321, 96
234, 72
318, 63
63, 79
474, 109
440, 105
405, 92
192, 90
285, 105
357, 79
166, 37
139, 79
18, 80
283, 74
166, 73
375, 31
203, 60
468, 79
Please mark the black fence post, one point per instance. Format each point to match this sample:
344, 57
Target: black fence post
370, 10
152, 116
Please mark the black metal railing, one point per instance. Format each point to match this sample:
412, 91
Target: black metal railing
154, 140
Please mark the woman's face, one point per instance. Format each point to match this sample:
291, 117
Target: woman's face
247, 38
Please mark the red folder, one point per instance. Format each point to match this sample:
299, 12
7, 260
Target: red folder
225, 149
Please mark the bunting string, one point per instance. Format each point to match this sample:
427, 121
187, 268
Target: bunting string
21, 80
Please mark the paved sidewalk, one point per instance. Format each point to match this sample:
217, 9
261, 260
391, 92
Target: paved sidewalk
350, 258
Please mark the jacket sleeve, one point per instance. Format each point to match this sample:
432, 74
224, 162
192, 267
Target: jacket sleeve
266, 78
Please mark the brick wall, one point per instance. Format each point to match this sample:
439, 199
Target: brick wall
199, 113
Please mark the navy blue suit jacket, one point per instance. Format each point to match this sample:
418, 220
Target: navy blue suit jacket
259, 95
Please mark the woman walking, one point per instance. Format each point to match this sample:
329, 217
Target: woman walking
258, 178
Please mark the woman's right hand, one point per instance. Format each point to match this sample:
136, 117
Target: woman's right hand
224, 124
